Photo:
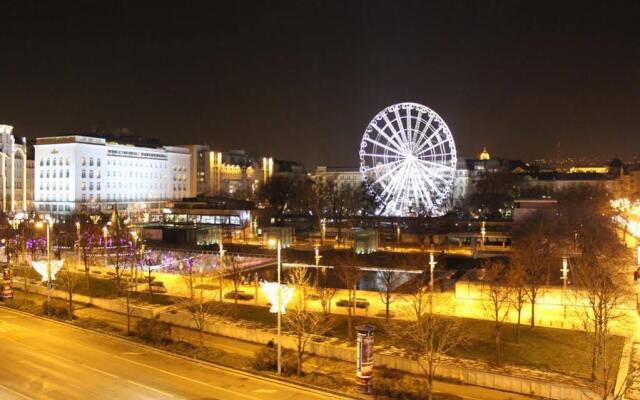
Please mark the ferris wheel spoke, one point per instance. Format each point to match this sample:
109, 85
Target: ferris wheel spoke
392, 141
394, 131
402, 131
389, 172
384, 146
431, 164
396, 180
427, 141
382, 156
387, 165
415, 132
423, 133
421, 191
427, 179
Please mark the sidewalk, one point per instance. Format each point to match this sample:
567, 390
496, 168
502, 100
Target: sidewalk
247, 351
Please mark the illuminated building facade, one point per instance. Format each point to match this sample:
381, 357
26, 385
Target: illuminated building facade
93, 173
16, 172
230, 173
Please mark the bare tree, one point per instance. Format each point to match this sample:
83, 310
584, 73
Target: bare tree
428, 336
69, 282
536, 250
304, 325
199, 302
498, 295
600, 286
325, 292
232, 270
349, 274
389, 281
516, 280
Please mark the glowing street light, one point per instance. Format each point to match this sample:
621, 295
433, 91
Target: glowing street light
40, 224
276, 243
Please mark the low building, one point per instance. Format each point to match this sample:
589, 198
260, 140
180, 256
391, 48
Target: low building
17, 172
94, 172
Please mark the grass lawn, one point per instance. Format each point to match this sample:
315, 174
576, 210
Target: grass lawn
547, 349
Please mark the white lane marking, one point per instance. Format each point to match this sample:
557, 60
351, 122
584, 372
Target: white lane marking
8, 389
150, 388
101, 371
269, 391
187, 378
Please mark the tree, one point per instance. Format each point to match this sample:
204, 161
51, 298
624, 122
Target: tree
303, 325
536, 249
69, 282
498, 295
325, 291
86, 243
349, 274
278, 192
200, 305
494, 190
233, 269
388, 280
516, 279
428, 336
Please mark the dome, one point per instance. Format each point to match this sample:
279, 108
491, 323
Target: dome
484, 155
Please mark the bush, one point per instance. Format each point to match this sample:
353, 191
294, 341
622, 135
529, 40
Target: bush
266, 359
396, 385
58, 309
240, 295
153, 330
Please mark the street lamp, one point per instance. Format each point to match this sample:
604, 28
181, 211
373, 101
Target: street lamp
221, 268
276, 243
40, 224
105, 234
483, 233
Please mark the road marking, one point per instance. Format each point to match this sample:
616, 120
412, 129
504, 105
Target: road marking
8, 389
187, 378
101, 371
266, 391
150, 388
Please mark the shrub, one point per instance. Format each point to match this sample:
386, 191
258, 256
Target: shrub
392, 383
153, 330
57, 309
240, 295
266, 359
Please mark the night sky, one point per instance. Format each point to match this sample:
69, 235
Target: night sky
300, 80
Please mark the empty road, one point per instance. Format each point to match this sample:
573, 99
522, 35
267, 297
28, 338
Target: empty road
42, 359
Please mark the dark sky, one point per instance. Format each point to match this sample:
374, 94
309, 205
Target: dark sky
300, 80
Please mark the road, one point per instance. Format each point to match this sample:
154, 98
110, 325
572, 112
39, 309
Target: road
42, 359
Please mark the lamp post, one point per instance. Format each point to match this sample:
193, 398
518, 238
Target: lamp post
398, 235
277, 244
78, 242
323, 229
105, 234
221, 268
565, 277
483, 233
47, 221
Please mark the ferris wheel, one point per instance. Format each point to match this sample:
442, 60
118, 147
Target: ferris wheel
408, 159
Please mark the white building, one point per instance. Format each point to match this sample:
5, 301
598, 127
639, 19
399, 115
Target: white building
17, 181
90, 173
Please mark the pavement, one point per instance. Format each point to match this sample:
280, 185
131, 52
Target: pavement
43, 359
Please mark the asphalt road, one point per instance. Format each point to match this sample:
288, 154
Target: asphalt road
41, 359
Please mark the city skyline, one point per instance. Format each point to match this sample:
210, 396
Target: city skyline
517, 78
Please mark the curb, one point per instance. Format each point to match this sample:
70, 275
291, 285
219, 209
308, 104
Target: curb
266, 378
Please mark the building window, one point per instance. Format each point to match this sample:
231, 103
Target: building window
83, 185
84, 197
90, 173
68, 162
83, 161
84, 174
54, 162
48, 162
98, 186
91, 162
67, 174
98, 197
42, 162
98, 174
54, 173
90, 185
98, 162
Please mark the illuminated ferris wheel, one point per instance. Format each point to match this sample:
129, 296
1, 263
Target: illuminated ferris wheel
408, 159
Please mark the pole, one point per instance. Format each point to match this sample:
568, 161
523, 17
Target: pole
48, 272
279, 313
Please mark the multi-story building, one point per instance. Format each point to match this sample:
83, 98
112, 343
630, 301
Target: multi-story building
16, 173
94, 173
231, 173
342, 176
